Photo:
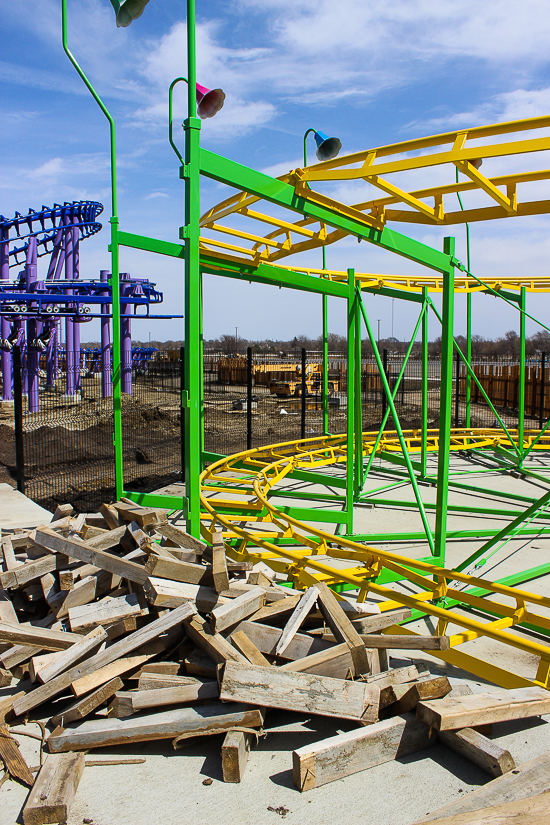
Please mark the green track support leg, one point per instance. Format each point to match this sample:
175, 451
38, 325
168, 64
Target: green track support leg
521, 393
350, 412
424, 390
358, 440
192, 309
468, 354
445, 403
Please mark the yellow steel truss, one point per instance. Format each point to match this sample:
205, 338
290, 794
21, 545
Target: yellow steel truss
402, 162
237, 493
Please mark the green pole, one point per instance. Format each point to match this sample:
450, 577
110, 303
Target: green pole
350, 413
114, 279
445, 402
325, 355
358, 441
424, 389
468, 351
521, 393
402, 442
192, 295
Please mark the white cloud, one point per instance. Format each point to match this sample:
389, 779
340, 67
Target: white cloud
155, 195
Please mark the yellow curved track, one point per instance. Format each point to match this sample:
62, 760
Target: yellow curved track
239, 494
236, 228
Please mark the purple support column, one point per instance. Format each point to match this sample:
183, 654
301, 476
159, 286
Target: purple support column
126, 336
106, 388
6, 362
51, 357
77, 353
34, 328
69, 324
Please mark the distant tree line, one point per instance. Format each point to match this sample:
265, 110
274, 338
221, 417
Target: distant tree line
507, 346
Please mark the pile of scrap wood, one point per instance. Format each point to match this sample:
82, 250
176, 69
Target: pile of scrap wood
122, 628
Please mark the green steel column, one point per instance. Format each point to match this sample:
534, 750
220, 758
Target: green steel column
468, 355
445, 403
201, 362
521, 393
358, 440
192, 307
350, 413
325, 355
424, 392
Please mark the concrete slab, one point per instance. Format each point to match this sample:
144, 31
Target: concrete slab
17, 512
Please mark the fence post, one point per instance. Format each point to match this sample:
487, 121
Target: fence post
304, 392
542, 387
385, 368
18, 420
457, 396
249, 398
182, 413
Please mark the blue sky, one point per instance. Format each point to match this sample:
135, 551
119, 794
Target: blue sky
371, 73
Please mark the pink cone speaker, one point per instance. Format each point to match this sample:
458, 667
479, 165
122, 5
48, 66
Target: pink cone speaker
210, 101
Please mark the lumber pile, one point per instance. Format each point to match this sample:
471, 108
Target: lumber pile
122, 628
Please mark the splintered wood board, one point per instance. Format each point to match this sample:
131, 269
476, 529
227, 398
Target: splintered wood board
306, 692
98, 733
357, 750
484, 708
54, 790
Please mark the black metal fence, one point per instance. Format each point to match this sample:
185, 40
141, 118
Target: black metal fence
64, 452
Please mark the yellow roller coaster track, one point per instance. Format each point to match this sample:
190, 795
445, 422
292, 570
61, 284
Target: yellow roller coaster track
237, 493
232, 230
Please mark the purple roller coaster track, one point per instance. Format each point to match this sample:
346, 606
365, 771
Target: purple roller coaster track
31, 309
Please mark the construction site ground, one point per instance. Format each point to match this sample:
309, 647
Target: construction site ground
169, 787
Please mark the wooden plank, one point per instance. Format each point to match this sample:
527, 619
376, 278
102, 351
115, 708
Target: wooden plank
219, 563
158, 668
180, 537
235, 749
144, 516
213, 644
303, 692
97, 733
110, 516
525, 782
154, 681
32, 570
276, 610
265, 638
348, 753
397, 676
198, 663
13, 759
6, 677
306, 603
85, 617
380, 621
533, 811
63, 660
41, 637
336, 661
62, 511
243, 644
52, 795
6, 706
425, 689
7, 610
86, 590
144, 699
471, 744
484, 708
84, 552
108, 540
91, 681
234, 611
342, 627
115, 651
165, 593
180, 571
87, 704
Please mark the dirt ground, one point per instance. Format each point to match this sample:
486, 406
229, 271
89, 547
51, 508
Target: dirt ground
69, 446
